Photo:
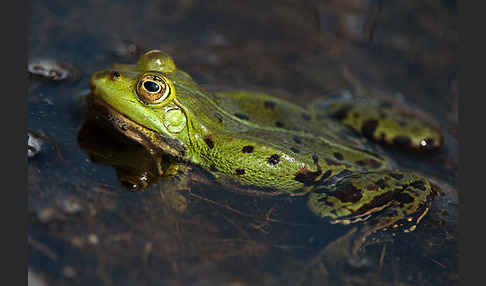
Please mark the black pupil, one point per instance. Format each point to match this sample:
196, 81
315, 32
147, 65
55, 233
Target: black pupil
151, 86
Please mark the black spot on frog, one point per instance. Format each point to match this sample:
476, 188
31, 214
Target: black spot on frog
247, 149
274, 159
242, 116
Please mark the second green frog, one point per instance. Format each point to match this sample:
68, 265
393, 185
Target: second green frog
271, 146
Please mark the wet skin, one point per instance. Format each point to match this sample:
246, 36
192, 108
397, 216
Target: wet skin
271, 145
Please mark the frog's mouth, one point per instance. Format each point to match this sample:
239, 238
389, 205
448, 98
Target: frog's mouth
155, 143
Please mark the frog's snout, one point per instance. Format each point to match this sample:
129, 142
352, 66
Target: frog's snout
95, 79
102, 79
105, 75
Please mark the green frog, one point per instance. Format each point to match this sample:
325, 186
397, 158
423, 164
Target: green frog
270, 146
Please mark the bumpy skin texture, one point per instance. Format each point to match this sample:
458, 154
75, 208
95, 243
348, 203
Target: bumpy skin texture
258, 141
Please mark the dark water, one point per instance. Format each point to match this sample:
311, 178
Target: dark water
87, 229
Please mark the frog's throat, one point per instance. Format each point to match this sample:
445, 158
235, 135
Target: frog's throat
155, 143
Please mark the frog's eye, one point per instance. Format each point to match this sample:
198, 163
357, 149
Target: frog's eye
153, 89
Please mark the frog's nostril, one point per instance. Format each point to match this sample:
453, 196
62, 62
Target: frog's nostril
115, 75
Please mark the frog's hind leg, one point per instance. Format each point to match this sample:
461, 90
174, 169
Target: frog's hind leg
388, 220
384, 121
384, 199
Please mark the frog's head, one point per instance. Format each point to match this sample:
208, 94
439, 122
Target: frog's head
143, 97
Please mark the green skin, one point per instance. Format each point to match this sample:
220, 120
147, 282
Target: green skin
268, 144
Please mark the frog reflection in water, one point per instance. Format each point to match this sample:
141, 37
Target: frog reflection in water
272, 146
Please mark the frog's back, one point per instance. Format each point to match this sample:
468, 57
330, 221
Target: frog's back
272, 112
262, 141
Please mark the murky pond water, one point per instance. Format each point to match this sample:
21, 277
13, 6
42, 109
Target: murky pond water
87, 228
